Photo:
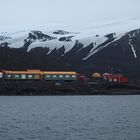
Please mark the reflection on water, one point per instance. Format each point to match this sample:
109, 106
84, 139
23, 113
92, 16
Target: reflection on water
70, 118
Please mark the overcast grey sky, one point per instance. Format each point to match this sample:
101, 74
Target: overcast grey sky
42, 12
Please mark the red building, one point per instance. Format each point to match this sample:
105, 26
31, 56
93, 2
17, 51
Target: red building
118, 78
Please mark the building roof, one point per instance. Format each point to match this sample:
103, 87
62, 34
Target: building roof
22, 72
59, 72
40, 72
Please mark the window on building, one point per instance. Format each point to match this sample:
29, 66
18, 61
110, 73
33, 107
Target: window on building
48, 76
67, 76
23, 76
61, 76
30, 76
8, 76
54, 76
16, 76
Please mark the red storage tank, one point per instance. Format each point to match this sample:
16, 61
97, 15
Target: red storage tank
115, 78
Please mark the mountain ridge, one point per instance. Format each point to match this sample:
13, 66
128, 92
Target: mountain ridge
85, 51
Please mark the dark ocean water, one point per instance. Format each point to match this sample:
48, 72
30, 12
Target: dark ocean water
70, 118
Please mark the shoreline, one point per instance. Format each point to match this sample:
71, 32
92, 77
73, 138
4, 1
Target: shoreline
99, 93
43, 88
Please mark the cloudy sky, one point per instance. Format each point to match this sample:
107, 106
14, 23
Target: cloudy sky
42, 12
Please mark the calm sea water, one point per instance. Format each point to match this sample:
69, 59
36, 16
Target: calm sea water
70, 118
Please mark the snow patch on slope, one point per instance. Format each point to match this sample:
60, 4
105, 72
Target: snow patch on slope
52, 44
15, 39
133, 49
95, 49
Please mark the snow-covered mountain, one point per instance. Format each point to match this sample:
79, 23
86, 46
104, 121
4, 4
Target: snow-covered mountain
96, 48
